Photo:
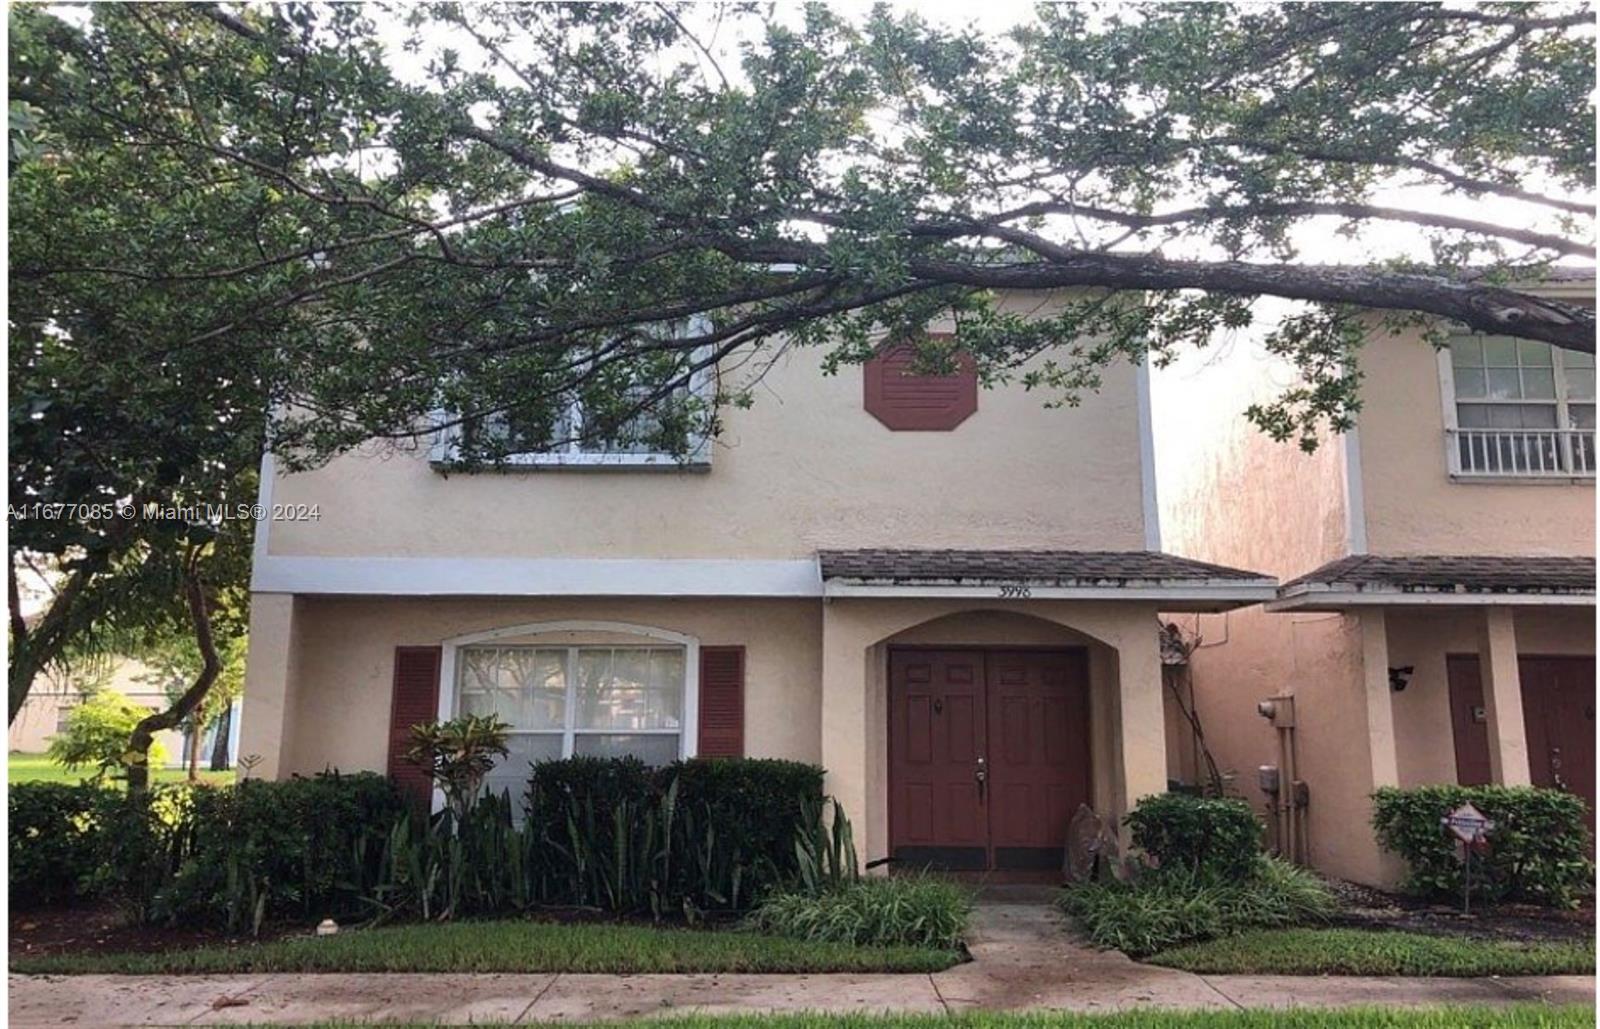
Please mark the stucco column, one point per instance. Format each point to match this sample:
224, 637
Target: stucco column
1378, 696
844, 722
269, 681
1502, 698
1141, 725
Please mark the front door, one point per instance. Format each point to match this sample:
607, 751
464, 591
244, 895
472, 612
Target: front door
988, 756
1558, 695
1558, 710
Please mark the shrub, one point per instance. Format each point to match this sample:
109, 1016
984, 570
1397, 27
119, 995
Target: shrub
458, 754
1158, 910
1537, 851
903, 910
55, 840
140, 845
297, 848
694, 835
1204, 835
754, 802
97, 735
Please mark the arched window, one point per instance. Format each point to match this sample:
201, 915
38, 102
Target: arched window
601, 689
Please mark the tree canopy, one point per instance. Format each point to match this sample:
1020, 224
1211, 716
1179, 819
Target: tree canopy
305, 227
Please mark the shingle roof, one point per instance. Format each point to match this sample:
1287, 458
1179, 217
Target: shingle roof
1450, 574
1037, 567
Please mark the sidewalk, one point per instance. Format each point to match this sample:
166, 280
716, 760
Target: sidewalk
1022, 960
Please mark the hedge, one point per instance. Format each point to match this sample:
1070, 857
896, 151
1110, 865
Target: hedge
1537, 851
56, 840
695, 837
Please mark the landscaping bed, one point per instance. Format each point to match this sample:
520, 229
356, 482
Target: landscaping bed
1363, 907
1375, 952
502, 946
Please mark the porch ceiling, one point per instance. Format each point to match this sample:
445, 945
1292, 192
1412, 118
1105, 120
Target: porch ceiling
1440, 579
1041, 575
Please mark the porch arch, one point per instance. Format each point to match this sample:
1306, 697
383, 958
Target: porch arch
1127, 728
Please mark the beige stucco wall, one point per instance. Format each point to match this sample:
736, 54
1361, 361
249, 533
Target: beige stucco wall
1231, 494
337, 709
1411, 504
804, 467
815, 686
1422, 638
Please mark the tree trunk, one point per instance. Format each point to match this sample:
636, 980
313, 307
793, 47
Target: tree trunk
219, 748
144, 733
195, 733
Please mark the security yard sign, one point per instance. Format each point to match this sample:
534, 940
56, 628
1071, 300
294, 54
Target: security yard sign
1472, 827
1468, 824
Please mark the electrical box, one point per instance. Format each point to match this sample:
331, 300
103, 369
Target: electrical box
1278, 710
1267, 778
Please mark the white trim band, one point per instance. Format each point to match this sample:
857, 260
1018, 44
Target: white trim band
535, 577
1328, 598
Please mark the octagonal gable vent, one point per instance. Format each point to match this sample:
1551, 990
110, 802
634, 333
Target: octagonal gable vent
907, 401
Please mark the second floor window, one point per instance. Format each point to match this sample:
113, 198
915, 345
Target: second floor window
654, 414
1522, 408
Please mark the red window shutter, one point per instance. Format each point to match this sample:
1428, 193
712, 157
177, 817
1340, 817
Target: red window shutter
908, 402
721, 702
416, 700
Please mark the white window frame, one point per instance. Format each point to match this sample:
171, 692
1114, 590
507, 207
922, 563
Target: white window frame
1563, 429
689, 725
446, 446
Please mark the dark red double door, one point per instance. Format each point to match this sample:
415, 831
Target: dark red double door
1558, 697
988, 756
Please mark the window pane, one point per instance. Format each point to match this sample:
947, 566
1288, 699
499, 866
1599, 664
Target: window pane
1503, 384
666, 688
1581, 415
1574, 359
1470, 382
1533, 353
510, 773
1500, 352
523, 686
656, 749
1466, 352
1580, 383
1473, 416
630, 688
1539, 382
1521, 416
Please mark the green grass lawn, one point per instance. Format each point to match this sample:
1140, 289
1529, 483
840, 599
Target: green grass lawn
39, 768
1374, 952
509, 946
1526, 1016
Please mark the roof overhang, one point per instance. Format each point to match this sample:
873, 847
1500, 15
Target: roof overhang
1340, 596
1168, 594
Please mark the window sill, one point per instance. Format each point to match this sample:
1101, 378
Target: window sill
1470, 479
582, 463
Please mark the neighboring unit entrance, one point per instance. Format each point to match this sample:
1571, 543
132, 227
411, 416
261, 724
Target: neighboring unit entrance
1558, 695
988, 756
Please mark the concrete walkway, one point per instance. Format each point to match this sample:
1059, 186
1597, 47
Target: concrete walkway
1023, 958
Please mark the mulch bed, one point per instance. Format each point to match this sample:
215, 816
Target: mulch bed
101, 928
1362, 907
